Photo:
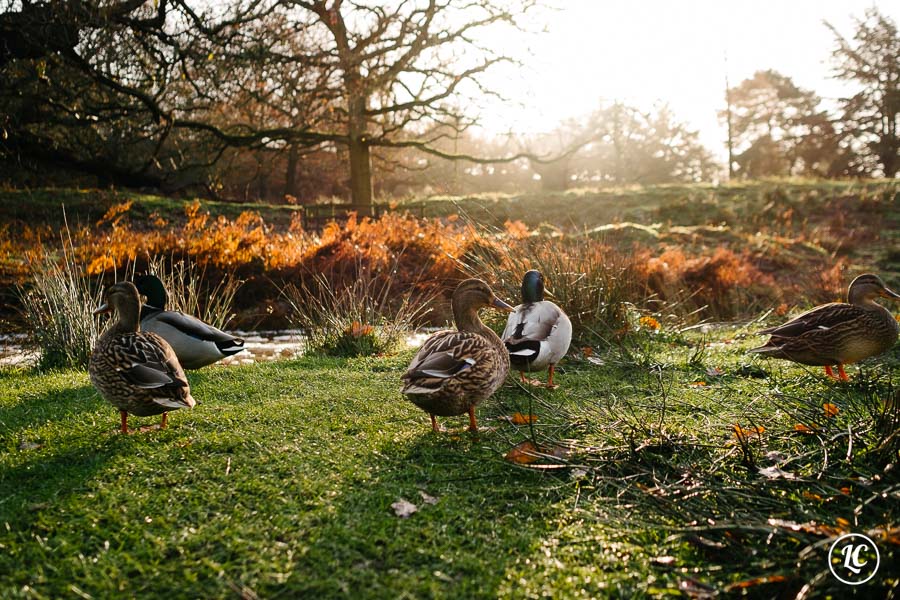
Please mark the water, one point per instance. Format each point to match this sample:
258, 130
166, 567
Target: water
14, 351
259, 346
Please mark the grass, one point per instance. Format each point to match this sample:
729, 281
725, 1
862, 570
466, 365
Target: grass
364, 317
281, 482
58, 310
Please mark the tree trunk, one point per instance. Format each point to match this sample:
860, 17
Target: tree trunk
360, 173
290, 176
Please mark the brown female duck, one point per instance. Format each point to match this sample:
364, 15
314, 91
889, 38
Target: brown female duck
136, 371
455, 370
838, 333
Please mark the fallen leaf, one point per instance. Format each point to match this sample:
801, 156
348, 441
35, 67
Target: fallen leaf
891, 536
523, 453
842, 522
587, 351
697, 384
742, 434
748, 583
404, 508
830, 409
358, 329
520, 419
776, 473
715, 372
811, 496
527, 453
427, 498
596, 361
649, 323
845, 491
803, 428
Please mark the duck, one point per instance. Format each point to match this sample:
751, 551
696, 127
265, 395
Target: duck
196, 344
454, 371
838, 333
538, 332
136, 371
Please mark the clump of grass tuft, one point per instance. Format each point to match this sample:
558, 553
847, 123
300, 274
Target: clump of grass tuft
189, 291
362, 318
592, 281
58, 309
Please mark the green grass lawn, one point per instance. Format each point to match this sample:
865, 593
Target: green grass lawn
280, 483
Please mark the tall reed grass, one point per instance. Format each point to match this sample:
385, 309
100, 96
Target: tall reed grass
58, 306
367, 315
593, 282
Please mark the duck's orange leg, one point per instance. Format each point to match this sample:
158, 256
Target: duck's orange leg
842, 373
550, 378
522, 376
165, 420
829, 372
473, 425
124, 416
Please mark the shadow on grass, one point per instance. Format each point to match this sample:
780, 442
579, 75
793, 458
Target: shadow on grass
57, 403
477, 517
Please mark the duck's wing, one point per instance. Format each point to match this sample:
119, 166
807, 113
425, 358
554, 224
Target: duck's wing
821, 318
146, 361
535, 322
443, 356
197, 329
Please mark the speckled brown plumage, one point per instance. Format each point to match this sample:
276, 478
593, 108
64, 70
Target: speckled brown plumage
838, 333
137, 372
455, 370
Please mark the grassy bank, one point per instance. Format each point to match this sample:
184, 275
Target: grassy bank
708, 252
281, 482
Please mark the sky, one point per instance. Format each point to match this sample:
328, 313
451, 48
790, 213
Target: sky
644, 52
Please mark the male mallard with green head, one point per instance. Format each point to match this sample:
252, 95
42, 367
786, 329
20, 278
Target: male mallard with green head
538, 332
136, 371
455, 370
838, 333
196, 344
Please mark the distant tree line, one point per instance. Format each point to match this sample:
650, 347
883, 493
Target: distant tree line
780, 129
298, 99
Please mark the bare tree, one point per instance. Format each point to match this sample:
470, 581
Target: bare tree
193, 78
872, 59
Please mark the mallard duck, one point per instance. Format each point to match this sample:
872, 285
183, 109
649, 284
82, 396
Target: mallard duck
196, 343
838, 333
136, 371
538, 332
455, 370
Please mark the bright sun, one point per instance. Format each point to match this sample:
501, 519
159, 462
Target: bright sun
657, 51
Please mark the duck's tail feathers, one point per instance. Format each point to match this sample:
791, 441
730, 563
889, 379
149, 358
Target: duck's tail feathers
176, 403
229, 347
